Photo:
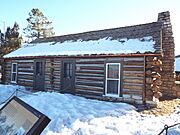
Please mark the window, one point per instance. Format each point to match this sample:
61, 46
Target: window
68, 70
38, 68
113, 79
14, 72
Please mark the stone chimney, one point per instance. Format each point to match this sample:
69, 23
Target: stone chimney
168, 58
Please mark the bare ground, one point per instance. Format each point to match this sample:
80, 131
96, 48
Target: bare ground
164, 108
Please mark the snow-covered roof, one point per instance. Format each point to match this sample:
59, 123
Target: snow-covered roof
143, 38
177, 64
101, 46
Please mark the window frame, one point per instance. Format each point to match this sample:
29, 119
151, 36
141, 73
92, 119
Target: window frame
68, 70
39, 68
14, 72
115, 79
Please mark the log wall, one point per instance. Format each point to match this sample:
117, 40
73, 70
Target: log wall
53, 74
24, 73
89, 77
133, 79
153, 79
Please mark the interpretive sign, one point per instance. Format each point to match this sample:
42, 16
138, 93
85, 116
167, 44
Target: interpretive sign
19, 118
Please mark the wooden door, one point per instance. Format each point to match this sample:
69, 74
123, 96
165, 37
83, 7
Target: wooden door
39, 76
68, 76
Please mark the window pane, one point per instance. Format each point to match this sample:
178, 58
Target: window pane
112, 87
14, 66
113, 71
13, 77
14, 72
65, 69
68, 70
38, 68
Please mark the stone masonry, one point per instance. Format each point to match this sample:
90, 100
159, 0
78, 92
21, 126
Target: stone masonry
167, 74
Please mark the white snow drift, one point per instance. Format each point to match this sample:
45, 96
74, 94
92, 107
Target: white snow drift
73, 115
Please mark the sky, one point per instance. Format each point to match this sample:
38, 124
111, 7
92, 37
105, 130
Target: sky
74, 16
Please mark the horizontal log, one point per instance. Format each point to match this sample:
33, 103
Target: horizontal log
25, 84
29, 65
155, 75
132, 87
132, 92
155, 63
88, 92
90, 60
156, 69
7, 66
134, 74
133, 63
89, 87
25, 61
7, 70
29, 77
134, 59
90, 72
92, 68
90, 84
90, 79
25, 80
133, 81
26, 73
26, 68
133, 68
88, 75
91, 65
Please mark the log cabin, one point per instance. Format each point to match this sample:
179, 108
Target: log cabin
131, 64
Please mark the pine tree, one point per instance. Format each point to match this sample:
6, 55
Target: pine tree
39, 26
11, 40
2, 40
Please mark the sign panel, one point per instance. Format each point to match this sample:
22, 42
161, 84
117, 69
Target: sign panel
17, 117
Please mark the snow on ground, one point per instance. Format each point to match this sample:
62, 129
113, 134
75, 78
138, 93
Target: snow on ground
73, 115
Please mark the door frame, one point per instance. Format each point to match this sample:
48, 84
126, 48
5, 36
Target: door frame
118, 79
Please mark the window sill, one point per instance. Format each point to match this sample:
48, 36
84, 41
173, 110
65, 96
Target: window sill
112, 95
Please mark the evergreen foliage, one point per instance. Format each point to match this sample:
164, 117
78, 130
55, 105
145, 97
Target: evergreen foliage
11, 40
38, 26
